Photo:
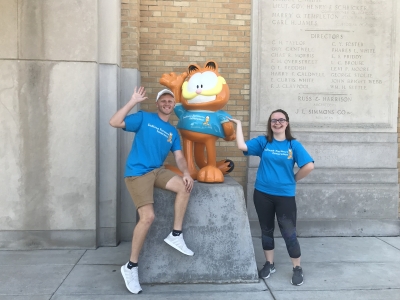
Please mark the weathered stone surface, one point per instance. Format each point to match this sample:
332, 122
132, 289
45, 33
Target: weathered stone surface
108, 155
129, 79
47, 239
216, 228
353, 190
333, 66
109, 32
8, 29
339, 227
342, 201
348, 155
58, 30
50, 100
50, 154
343, 176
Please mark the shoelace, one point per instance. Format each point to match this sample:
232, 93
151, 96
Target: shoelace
297, 272
132, 275
180, 242
267, 263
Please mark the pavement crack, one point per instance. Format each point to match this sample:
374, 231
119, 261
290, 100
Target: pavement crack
55, 292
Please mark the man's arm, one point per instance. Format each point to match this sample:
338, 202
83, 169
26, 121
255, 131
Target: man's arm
182, 165
117, 120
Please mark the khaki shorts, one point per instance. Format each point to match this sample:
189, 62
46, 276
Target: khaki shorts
141, 187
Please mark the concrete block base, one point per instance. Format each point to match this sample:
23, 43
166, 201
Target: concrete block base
216, 228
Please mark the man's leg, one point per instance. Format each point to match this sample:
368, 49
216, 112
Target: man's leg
141, 191
146, 218
176, 185
130, 270
175, 238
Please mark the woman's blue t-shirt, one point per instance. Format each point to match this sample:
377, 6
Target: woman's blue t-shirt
275, 175
153, 140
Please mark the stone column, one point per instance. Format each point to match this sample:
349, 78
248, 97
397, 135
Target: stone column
109, 44
52, 88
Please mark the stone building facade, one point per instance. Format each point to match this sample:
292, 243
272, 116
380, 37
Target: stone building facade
65, 68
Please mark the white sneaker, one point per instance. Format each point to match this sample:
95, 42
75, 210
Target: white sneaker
178, 243
131, 279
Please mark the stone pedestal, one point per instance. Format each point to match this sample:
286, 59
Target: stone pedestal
216, 228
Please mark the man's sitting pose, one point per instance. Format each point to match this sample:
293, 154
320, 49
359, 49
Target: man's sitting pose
154, 138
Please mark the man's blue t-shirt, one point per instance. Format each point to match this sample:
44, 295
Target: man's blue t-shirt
275, 175
203, 121
154, 139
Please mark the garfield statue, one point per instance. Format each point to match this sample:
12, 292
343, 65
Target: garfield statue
200, 94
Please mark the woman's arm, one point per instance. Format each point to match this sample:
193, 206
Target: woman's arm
304, 171
239, 135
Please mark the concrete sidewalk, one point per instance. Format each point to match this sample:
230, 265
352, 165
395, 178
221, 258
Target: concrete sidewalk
353, 268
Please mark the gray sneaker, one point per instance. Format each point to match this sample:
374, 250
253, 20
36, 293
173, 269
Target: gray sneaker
297, 278
267, 270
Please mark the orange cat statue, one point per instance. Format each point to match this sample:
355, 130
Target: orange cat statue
200, 94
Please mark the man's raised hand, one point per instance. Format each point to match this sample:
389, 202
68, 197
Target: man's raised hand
139, 94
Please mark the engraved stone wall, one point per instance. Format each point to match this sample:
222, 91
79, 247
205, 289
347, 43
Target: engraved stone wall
333, 66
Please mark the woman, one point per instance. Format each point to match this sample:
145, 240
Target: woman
275, 186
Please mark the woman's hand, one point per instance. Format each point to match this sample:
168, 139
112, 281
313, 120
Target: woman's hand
235, 121
239, 134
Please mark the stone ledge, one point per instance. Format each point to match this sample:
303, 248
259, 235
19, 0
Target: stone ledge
47, 239
339, 227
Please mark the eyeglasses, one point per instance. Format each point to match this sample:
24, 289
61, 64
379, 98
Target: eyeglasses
281, 121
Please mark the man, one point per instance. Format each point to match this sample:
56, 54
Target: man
154, 138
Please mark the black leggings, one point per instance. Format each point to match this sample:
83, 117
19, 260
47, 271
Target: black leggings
286, 213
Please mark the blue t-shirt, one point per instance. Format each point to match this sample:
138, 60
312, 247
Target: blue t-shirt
203, 121
153, 140
275, 174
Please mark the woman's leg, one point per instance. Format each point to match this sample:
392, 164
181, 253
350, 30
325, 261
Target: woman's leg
265, 209
286, 214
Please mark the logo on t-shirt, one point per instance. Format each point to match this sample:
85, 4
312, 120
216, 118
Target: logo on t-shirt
290, 155
206, 121
162, 132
